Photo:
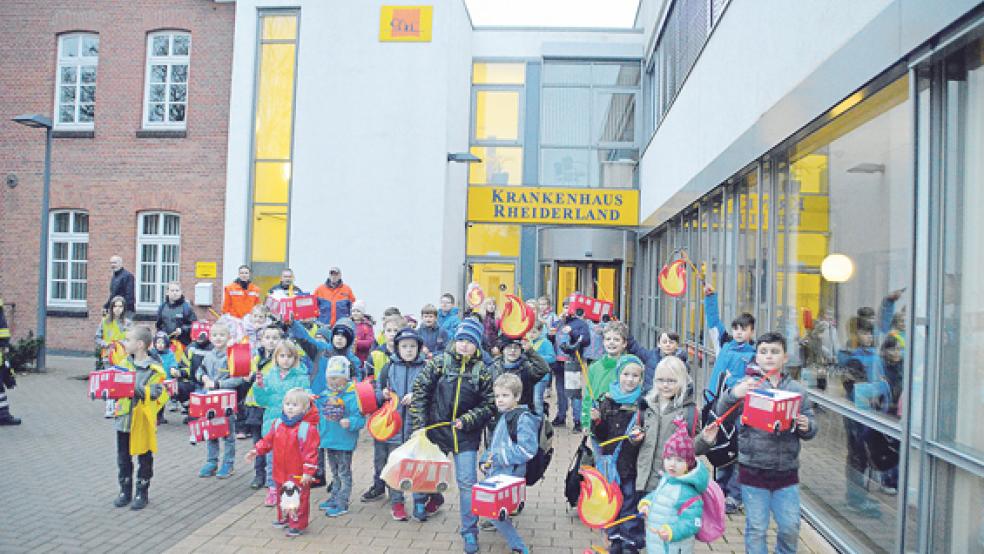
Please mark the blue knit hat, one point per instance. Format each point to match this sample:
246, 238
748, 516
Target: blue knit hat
471, 330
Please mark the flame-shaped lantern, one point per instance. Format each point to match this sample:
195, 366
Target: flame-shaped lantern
116, 353
178, 349
386, 421
673, 278
517, 318
599, 501
474, 295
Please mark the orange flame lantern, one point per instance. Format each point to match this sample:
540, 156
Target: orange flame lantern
386, 421
178, 349
517, 318
599, 501
673, 278
474, 295
116, 353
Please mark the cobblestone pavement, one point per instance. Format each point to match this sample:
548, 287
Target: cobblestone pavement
60, 479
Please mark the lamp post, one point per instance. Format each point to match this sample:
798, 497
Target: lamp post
464, 158
38, 121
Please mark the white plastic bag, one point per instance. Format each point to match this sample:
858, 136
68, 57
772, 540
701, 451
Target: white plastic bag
418, 465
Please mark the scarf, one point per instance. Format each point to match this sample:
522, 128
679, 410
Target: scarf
615, 391
291, 421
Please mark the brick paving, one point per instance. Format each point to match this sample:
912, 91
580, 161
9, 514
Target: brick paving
65, 441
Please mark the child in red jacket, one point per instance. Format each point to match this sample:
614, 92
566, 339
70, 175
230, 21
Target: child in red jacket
294, 443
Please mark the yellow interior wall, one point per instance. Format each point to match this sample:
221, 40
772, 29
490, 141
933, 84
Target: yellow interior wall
270, 233
507, 159
606, 283
484, 73
271, 182
275, 102
496, 115
489, 239
566, 284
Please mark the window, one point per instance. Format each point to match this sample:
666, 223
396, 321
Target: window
158, 256
68, 255
497, 129
75, 82
166, 91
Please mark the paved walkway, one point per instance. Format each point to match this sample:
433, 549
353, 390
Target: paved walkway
60, 479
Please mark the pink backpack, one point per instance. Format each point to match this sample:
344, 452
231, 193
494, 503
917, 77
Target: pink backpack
713, 519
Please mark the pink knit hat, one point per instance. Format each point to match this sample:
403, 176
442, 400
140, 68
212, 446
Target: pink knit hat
681, 444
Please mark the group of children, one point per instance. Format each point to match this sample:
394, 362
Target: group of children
300, 407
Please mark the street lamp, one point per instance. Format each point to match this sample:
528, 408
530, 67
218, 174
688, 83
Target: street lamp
38, 121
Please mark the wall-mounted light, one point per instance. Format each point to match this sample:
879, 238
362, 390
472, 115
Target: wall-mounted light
463, 157
837, 268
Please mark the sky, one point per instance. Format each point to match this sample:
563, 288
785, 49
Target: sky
553, 13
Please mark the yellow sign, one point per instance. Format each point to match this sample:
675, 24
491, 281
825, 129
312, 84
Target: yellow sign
557, 206
405, 23
205, 270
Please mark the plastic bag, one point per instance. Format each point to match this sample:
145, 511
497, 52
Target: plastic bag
418, 465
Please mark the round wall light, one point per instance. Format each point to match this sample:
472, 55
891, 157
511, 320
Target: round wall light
837, 268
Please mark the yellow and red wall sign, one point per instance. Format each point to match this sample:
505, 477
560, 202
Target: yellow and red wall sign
405, 23
554, 206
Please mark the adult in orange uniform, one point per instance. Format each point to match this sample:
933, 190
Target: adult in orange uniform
335, 298
241, 295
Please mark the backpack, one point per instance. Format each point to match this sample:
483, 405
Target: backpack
712, 520
537, 466
572, 483
724, 452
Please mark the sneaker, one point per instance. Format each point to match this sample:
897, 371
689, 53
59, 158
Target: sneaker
434, 504
373, 493
225, 472
257, 482
559, 422
577, 428
420, 511
279, 524
10, 420
731, 506
524, 550
486, 525
240, 436
335, 511
271, 497
292, 532
208, 469
471, 543
399, 512
325, 505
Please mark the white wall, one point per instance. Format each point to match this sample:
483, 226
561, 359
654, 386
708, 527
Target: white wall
758, 53
534, 43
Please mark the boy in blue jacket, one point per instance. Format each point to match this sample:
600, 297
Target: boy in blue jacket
340, 340
338, 427
736, 352
514, 443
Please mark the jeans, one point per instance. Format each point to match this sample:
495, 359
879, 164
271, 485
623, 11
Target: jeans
574, 399
508, 532
124, 461
558, 379
380, 453
538, 390
727, 478
269, 469
631, 532
784, 504
229, 457
340, 462
260, 463
466, 474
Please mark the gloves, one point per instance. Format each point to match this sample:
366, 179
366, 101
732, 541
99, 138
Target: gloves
156, 390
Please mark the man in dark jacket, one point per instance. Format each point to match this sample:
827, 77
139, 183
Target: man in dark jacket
175, 315
455, 389
122, 284
286, 286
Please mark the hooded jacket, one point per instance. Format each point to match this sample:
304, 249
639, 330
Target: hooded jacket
271, 395
364, 338
398, 376
731, 358
239, 297
333, 407
138, 415
508, 456
291, 456
176, 315
664, 506
335, 301
449, 320
319, 351
601, 374
530, 368
451, 388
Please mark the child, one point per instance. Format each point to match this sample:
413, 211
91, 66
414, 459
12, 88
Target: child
667, 344
768, 463
605, 371
539, 344
381, 354
596, 349
162, 351
293, 443
397, 378
447, 316
112, 329
262, 363
187, 371
364, 334
578, 337
175, 315
456, 387
435, 338
519, 359
513, 444
258, 318
736, 351
671, 399
136, 418
673, 511
342, 337
490, 325
270, 389
339, 428
617, 415
214, 374
560, 340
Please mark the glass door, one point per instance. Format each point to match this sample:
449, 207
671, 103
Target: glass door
496, 279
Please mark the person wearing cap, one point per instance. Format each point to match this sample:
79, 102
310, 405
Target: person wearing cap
454, 400
335, 297
673, 511
339, 429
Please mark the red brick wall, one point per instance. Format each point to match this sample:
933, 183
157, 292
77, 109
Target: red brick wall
114, 175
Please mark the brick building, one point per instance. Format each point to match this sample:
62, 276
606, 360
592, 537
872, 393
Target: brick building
139, 94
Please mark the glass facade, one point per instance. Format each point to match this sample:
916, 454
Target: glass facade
859, 239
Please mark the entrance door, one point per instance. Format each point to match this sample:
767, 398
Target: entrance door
496, 279
601, 280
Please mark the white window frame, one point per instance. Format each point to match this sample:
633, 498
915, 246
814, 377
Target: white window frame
160, 240
77, 61
71, 238
170, 61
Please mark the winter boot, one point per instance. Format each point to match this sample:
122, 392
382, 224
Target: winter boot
142, 498
126, 493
